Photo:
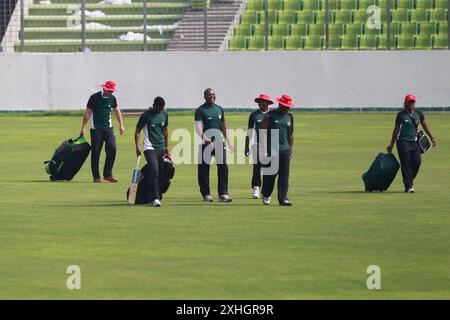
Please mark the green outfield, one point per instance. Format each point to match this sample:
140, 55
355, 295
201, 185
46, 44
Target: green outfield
187, 249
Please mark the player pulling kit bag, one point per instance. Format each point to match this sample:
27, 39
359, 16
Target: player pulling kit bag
381, 173
68, 159
166, 177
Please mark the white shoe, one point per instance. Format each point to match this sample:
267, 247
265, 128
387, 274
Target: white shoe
410, 190
225, 198
266, 200
255, 193
208, 198
155, 203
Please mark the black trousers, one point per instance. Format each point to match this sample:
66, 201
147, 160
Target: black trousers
155, 172
283, 178
98, 137
256, 176
203, 171
410, 160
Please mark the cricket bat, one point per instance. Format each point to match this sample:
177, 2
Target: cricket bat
134, 182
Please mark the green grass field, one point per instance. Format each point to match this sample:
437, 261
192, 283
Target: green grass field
187, 249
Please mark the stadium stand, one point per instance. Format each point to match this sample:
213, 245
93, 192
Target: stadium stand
54, 26
353, 25
6, 9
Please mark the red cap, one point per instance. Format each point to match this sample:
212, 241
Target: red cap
109, 86
286, 101
263, 97
410, 97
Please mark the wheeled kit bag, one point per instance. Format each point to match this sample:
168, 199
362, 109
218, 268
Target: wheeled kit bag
68, 159
381, 173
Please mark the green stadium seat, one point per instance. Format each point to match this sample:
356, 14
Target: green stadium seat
259, 30
372, 29
312, 43
255, 5
364, 4
249, 17
316, 30
424, 42
395, 28
334, 42
311, 5
408, 29
424, 4
272, 14
305, 17
243, 30
256, 43
294, 5
348, 5
418, 15
382, 41
287, 17
400, 16
343, 16
383, 4
443, 27
237, 43
319, 16
349, 42
276, 43
281, 30
336, 29
293, 43
353, 29
441, 4
405, 4
405, 43
427, 28
275, 4
440, 42
332, 5
368, 42
299, 30
438, 15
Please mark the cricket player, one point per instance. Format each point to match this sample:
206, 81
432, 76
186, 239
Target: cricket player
405, 133
98, 110
155, 123
211, 128
254, 124
282, 120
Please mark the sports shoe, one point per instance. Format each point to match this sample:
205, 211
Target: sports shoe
111, 179
97, 180
208, 198
255, 193
225, 198
410, 190
155, 203
266, 200
286, 202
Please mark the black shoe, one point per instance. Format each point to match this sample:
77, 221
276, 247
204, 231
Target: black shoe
286, 203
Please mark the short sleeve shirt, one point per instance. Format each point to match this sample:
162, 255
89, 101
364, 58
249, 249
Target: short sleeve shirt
101, 110
283, 122
255, 121
153, 124
408, 123
211, 117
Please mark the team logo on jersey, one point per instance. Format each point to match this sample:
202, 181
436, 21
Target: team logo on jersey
209, 118
258, 120
220, 116
288, 123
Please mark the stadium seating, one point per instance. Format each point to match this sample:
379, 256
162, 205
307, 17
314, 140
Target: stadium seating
56, 27
353, 24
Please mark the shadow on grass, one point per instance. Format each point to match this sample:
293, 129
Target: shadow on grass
172, 204
357, 192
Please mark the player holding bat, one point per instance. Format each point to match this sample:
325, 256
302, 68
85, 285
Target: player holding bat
154, 123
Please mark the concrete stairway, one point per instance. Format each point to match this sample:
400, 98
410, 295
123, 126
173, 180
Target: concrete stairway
191, 30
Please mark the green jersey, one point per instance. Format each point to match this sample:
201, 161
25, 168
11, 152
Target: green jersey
153, 124
408, 123
101, 110
254, 122
284, 123
211, 116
